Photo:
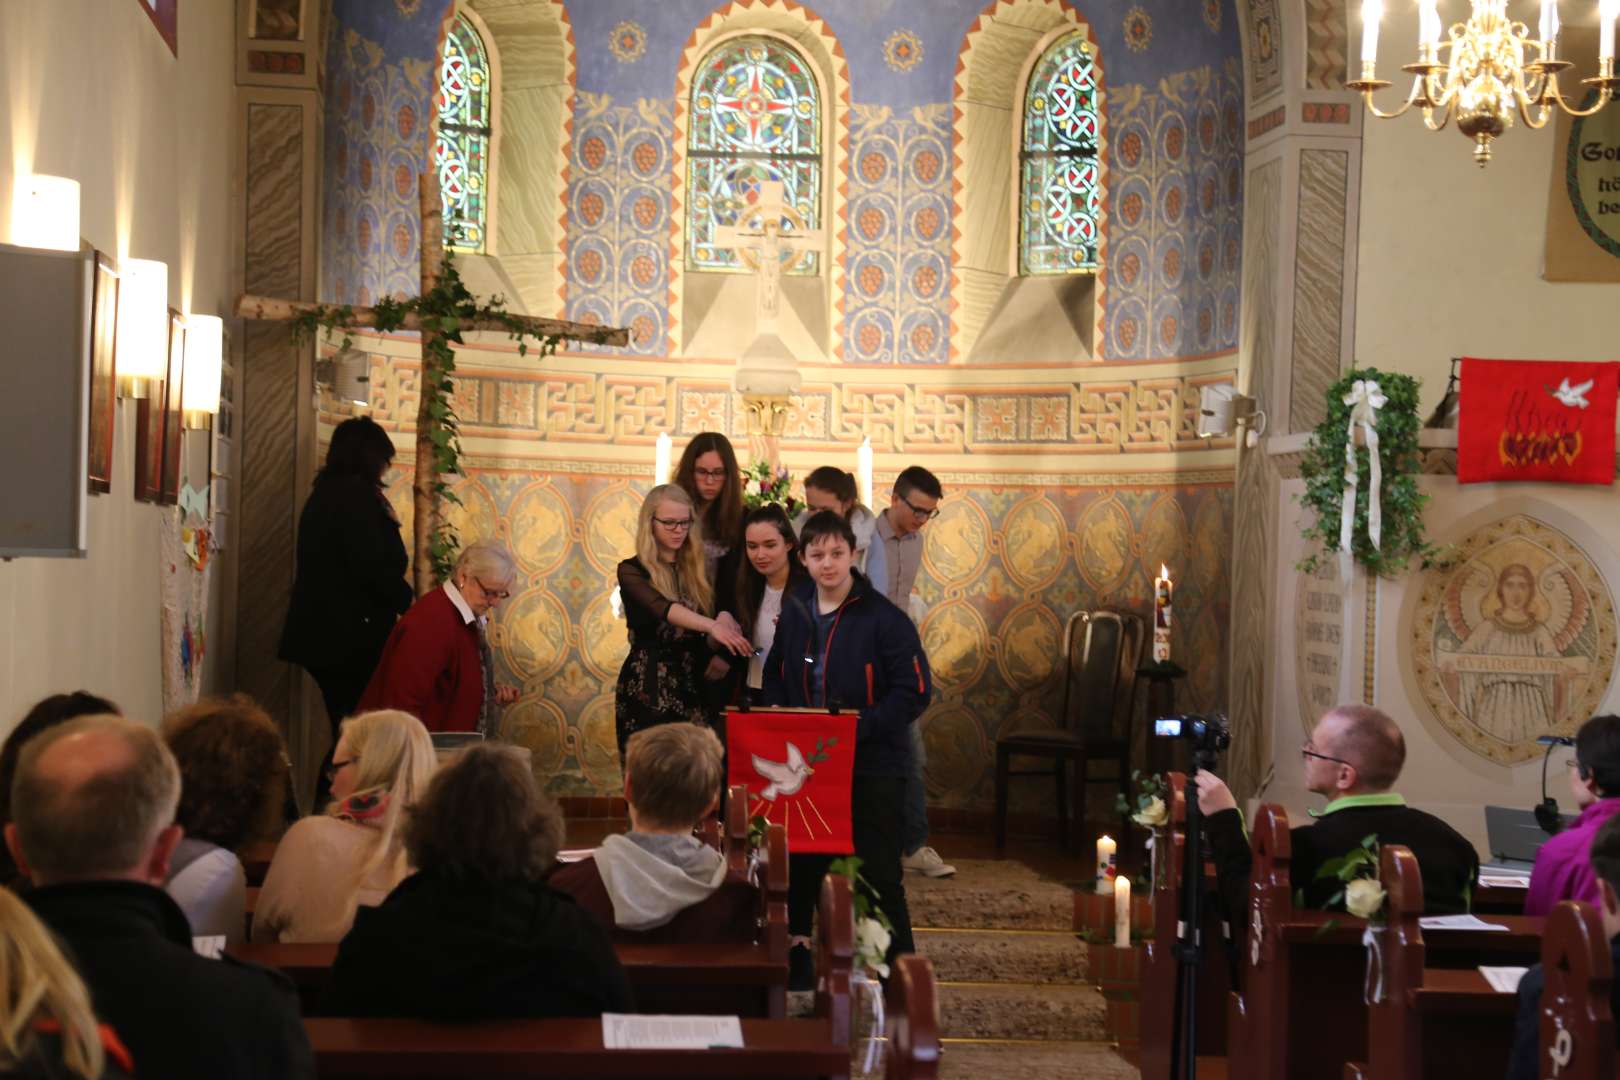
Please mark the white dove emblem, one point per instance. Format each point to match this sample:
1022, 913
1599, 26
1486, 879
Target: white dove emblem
785, 779
1572, 396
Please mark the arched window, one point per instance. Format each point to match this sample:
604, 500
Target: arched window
755, 117
1061, 187
461, 150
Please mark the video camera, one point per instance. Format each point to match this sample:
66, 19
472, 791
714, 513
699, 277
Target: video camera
1208, 734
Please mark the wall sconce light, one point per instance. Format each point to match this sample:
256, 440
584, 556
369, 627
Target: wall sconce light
45, 212
348, 373
1221, 408
205, 361
143, 325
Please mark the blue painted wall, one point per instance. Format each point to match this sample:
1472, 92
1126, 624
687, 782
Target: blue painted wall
1173, 105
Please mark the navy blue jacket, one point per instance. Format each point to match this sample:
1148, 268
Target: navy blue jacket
872, 661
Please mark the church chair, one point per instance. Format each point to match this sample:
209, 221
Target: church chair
1577, 1022
1101, 651
1421, 1022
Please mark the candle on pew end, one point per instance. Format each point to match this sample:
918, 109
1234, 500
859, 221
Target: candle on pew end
1122, 912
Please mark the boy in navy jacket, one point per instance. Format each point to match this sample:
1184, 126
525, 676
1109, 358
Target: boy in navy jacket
840, 643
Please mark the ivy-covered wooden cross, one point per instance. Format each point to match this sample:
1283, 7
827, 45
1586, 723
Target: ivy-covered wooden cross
441, 314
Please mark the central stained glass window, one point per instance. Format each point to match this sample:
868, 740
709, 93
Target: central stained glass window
1061, 185
461, 149
755, 117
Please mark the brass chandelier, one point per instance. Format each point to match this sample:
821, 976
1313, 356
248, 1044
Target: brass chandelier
1493, 67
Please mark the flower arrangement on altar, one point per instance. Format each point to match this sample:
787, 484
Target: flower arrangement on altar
1363, 894
1148, 807
762, 487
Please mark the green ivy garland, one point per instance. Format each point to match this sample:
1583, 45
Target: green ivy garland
441, 314
1402, 502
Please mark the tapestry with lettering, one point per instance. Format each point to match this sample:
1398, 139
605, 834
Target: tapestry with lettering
1543, 420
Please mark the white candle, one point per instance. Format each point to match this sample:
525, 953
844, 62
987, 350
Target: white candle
1371, 12
1105, 863
1122, 912
1429, 21
1606, 15
863, 472
661, 459
1163, 589
1549, 20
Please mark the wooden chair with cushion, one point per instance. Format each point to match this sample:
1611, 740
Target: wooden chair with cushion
1101, 651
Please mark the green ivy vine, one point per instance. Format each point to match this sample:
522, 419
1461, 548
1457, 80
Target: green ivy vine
442, 314
1323, 471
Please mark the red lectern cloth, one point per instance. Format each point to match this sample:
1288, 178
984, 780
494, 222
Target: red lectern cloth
798, 766
1541, 420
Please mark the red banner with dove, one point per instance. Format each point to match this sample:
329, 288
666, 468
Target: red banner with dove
1545, 420
798, 766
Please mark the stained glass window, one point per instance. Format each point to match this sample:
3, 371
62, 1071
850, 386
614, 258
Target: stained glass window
755, 117
461, 150
1061, 185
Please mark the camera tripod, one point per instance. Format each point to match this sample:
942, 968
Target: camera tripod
1189, 947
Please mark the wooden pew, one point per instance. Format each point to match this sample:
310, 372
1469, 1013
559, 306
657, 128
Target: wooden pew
1577, 1023
567, 1048
1159, 959
744, 978
1300, 1014
1435, 1023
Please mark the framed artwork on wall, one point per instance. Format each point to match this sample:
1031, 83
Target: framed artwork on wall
173, 429
222, 464
165, 15
149, 443
103, 376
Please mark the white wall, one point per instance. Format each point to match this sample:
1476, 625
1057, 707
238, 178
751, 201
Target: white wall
93, 93
1450, 254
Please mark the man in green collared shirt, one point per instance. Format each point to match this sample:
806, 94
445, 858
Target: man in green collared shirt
1353, 758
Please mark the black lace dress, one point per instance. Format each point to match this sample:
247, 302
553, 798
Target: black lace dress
661, 681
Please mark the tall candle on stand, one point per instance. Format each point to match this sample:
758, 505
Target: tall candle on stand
1105, 864
661, 459
1162, 587
1122, 912
863, 472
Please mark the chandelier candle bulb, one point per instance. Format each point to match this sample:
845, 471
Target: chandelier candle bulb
1162, 590
1549, 24
661, 459
863, 472
1105, 864
1371, 12
1429, 22
1122, 912
1606, 14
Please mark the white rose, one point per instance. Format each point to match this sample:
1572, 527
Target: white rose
872, 945
1364, 897
1153, 814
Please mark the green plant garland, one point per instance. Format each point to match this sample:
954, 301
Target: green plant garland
1402, 502
441, 313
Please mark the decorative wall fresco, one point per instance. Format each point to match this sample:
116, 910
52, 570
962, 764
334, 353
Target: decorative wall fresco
1003, 567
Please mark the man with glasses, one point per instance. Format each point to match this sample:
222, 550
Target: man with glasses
896, 557
1353, 758
437, 664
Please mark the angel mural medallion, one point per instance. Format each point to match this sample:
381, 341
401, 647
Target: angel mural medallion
1515, 640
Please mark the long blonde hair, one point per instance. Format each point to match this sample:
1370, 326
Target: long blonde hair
395, 758
689, 569
37, 983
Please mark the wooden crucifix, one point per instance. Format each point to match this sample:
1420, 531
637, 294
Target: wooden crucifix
429, 426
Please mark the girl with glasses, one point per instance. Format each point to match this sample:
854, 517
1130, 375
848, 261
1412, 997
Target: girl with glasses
709, 475
669, 605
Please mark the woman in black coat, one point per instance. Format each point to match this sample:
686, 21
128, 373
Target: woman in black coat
350, 584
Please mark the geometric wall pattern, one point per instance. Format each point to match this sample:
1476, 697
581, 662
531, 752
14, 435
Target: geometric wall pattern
1001, 567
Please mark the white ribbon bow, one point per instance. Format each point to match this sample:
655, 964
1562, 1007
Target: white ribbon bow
1364, 399
1372, 991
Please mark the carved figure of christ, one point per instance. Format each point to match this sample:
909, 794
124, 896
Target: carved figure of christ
759, 238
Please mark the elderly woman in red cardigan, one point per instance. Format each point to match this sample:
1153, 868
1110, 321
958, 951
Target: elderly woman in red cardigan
437, 664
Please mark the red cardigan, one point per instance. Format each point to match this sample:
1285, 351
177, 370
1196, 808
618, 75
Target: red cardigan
431, 667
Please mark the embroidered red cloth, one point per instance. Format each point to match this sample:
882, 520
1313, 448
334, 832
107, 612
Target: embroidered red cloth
799, 768
1544, 420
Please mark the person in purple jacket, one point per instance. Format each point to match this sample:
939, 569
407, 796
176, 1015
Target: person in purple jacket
1563, 869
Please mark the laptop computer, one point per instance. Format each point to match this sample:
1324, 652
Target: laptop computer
1514, 837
